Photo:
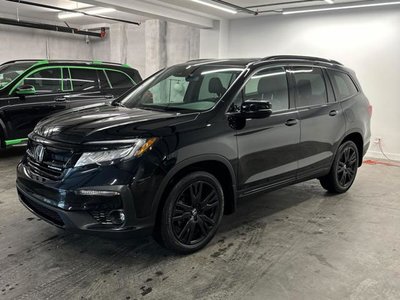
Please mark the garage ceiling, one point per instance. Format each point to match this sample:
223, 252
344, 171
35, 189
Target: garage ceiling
13, 10
255, 5
184, 11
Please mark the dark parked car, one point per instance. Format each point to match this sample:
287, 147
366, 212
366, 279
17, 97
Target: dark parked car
31, 90
175, 154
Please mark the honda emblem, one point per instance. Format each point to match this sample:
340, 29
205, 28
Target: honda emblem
38, 153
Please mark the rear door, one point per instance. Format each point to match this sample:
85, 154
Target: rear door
23, 112
85, 87
322, 120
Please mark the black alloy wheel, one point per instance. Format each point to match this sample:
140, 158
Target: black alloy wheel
192, 212
344, 169
347, 166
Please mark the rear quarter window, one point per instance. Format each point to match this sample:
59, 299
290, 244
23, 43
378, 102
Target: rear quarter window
343, 85
119, 80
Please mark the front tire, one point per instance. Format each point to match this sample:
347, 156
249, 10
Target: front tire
343, 170
192, 213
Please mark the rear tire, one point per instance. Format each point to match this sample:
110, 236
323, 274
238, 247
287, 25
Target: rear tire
343, 170
191, 213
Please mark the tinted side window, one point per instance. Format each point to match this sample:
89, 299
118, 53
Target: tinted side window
119, 80
268, 85
310, 86
223, 79
84, 80
45, 81
343, 84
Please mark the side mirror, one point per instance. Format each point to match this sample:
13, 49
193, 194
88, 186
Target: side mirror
25, 89
256, 109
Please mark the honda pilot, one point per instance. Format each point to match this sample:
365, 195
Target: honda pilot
175, 154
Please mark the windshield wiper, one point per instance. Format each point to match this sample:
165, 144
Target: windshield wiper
165, 108
117, 103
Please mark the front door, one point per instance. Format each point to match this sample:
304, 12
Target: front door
268, 148
23, 112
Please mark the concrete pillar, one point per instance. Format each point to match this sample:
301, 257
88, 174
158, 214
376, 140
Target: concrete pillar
183, 43
155, 39
118, 43
223, 39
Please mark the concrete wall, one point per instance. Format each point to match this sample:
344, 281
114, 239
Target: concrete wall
366, 40
149, 47
22, 43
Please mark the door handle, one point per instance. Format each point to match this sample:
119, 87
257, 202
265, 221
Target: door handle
60, 99
333, 113
291, 122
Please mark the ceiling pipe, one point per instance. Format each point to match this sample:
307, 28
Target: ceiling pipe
281, 3
49, 27
72, 11
237, 7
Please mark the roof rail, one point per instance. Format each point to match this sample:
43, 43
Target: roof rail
93, 62
200, 59
20, 60
43, 61
300, 57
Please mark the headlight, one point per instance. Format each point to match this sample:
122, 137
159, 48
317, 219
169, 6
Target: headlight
109, 156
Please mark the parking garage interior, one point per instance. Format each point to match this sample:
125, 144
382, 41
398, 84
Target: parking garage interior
297, 242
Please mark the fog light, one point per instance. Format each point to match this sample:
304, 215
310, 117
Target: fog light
97, 193
117, 217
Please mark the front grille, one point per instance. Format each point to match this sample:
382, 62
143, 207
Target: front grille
44, 170
45, 213
54, 161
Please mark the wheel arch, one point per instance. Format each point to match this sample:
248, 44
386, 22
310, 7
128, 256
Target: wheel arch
357, 138
3, 133
216, 165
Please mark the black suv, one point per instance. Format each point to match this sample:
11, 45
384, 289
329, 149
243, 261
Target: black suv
174, 155
31, 90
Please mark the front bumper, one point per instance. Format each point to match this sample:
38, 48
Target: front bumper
49, 204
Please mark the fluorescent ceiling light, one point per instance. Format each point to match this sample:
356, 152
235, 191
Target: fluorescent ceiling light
329, 1
99, 11
341, 7
93, 11
68, 15
232, 11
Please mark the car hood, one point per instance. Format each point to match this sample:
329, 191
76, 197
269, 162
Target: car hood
106, 122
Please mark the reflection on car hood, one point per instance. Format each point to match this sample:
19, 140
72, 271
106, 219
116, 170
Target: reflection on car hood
105, 122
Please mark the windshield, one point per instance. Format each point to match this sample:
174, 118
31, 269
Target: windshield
9, 72
183, 88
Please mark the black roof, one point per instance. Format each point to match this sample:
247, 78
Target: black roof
69, 62
229, 61
247, 61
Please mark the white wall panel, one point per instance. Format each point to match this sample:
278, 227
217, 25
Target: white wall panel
366, 40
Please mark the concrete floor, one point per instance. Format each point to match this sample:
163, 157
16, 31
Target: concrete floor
295, 243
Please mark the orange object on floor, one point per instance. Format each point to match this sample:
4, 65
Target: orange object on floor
377, 162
